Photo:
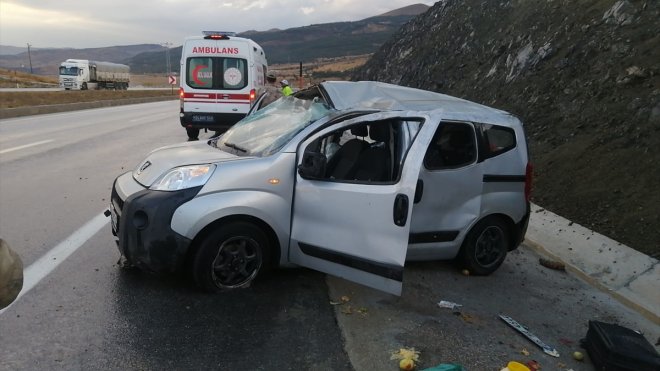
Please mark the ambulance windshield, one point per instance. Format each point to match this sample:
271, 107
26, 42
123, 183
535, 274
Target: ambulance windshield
269, 129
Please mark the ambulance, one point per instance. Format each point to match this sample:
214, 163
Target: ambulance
220, 76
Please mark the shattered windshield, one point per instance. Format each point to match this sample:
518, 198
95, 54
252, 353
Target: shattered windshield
269, 129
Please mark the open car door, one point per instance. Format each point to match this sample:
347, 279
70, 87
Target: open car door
347, 220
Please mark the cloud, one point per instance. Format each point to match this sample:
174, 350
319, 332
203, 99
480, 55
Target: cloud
84, 23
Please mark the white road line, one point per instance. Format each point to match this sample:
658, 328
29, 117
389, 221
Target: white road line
38, 270
25, 146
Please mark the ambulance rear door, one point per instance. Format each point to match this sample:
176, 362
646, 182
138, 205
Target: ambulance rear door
217, 77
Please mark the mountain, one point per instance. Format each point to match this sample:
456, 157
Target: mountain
414, 10
46, 61
281, 46
304, 44
584, 77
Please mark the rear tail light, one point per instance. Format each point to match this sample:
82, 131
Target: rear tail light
529, 170
181, 94
253, 96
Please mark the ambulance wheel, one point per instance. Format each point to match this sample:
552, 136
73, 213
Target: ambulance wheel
485, 246
193, 134
231, 257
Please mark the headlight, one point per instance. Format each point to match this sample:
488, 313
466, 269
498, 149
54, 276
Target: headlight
184, 177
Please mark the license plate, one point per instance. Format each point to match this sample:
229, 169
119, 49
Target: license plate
202, 118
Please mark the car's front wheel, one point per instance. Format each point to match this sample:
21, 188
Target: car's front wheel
231, 257
485, 246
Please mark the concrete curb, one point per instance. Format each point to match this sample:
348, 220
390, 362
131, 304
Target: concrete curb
38, 110
627, 275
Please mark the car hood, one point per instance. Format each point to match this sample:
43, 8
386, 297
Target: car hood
163, 159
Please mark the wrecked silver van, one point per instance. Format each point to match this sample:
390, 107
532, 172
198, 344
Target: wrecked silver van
348, 178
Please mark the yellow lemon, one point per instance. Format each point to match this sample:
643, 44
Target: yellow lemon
578, 356
407, 364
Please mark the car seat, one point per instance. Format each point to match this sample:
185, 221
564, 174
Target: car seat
374, 163
342, 165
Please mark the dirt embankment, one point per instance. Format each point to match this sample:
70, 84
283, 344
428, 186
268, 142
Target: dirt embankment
584, 77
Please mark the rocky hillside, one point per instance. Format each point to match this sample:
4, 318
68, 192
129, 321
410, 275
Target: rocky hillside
584, 76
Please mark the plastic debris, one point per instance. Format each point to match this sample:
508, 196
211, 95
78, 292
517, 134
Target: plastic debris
524, 352
515, 366
448, 304
445, 367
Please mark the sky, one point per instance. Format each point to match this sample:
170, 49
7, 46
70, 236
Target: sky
100, 23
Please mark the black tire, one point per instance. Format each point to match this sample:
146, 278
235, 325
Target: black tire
231, 257
83, 86
485, 246
193, 134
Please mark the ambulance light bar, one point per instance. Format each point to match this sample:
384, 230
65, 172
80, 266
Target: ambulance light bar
218, 35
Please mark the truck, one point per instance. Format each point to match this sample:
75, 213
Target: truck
83, 74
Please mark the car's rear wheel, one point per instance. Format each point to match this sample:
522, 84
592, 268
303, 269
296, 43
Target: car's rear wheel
485, 246
231, 257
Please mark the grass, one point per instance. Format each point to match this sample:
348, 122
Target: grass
41, 98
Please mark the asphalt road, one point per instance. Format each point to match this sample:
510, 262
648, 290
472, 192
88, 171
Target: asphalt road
79, 311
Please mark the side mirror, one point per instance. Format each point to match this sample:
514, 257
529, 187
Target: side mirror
312, 166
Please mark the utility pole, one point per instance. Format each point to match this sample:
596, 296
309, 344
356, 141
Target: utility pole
167, 62
29, 57
167, 58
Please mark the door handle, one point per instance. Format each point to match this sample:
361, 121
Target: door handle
400, 211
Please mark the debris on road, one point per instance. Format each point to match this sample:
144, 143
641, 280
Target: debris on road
552, 264
445, 367
533, 365
524, 352
407, 364
515, 366
578, 356
343, 300
448, 304
523, 330
405, 353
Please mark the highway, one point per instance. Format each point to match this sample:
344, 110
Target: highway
79, 311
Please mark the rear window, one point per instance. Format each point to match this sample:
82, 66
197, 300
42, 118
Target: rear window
498, 139
216, 73
453, 146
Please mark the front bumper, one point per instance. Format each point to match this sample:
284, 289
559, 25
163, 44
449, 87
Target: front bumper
141, 221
